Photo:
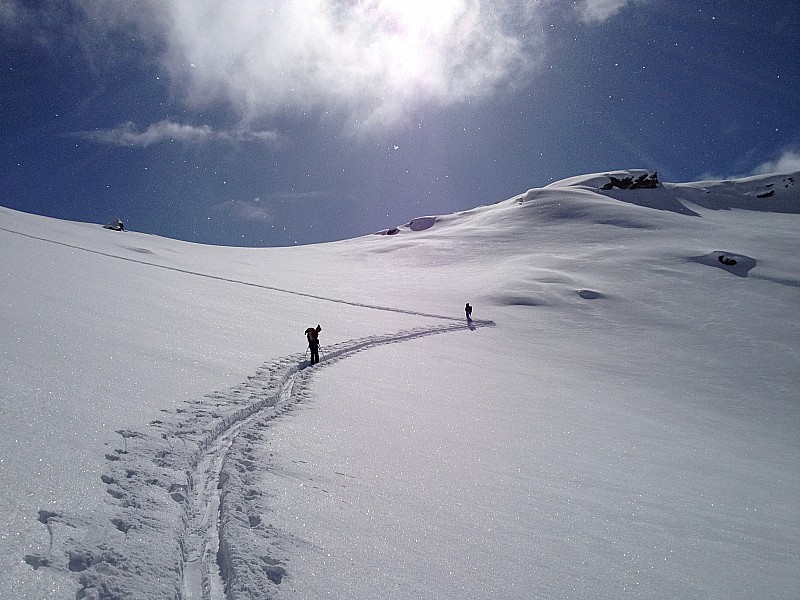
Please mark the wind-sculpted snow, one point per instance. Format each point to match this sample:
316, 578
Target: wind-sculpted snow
186, 520
775, 192
739, 265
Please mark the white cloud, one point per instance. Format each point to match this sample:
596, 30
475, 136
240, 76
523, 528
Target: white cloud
127, 134
598, 11
374, 58
787, 162
372, 61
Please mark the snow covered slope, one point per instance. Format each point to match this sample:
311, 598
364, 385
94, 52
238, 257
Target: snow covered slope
621, 418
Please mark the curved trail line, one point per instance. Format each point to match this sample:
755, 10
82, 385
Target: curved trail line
184, 520
236, 281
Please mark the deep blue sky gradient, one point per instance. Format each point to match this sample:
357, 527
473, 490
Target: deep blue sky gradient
690, 89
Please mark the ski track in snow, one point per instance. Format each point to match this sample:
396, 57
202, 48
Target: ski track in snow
186, 521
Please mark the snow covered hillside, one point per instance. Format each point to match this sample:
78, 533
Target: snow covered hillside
621, 419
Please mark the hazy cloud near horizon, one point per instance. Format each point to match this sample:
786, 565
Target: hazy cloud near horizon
788, 161
127, 134
246, 210
266, 208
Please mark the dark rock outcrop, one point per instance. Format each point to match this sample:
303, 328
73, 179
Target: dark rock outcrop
645, 181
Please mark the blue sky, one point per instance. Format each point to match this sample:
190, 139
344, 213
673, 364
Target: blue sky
266, 123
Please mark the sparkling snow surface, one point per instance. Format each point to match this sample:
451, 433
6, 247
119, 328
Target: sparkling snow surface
620, 420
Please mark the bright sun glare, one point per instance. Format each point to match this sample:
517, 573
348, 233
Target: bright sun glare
409, 35
422, 16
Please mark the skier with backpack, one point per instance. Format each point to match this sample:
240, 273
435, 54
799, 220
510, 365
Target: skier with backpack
312, 334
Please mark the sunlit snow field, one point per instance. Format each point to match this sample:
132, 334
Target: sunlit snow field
621, 419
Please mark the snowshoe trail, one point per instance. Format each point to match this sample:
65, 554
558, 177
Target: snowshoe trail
182, 486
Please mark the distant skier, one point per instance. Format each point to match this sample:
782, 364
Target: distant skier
468, 311
312, 333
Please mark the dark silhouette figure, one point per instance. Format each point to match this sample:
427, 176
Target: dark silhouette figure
312, 333
468, 311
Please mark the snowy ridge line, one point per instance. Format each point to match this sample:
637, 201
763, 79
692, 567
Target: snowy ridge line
172, 487
236, 281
